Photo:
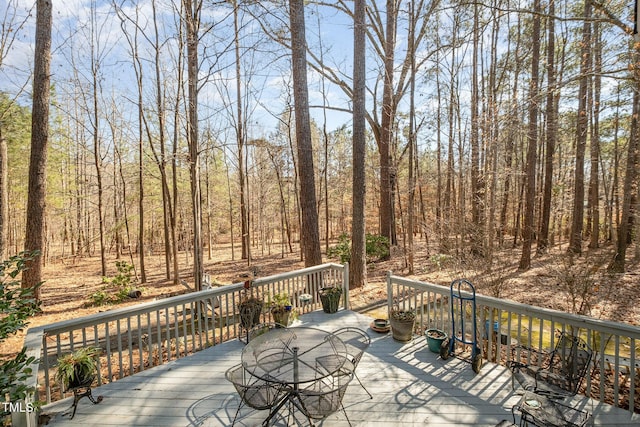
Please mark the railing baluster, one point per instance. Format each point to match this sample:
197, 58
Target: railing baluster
119, 342
616, 381
158, 344
634, 373
45, 356
140, 349
167, 329
108, 350
130, 346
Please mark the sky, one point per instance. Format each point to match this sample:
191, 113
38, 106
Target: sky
71, 36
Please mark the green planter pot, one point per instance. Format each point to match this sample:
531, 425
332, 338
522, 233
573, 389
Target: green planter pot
250, 314
330, 299
435, 337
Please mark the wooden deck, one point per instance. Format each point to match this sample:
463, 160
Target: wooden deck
410, 385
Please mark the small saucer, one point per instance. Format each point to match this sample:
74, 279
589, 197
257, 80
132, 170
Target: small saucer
380, 329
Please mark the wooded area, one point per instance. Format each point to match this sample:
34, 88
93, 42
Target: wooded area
177, 125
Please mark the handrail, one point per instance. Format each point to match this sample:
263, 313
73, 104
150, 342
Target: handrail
615, 366
138, 337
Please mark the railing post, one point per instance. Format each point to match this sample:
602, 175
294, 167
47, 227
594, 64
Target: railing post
345, 285
26, 416
389, 294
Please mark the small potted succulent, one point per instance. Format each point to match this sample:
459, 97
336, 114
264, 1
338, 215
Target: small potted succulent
330, 298
402, 322
78, 369
281, 308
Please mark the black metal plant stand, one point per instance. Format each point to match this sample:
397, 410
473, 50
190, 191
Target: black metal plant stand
80, 391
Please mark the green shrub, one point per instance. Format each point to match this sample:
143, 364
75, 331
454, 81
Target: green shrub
441, 260
342, 250
17, 305
376, 248
117, 288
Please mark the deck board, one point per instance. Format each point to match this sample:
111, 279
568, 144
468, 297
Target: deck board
410, 385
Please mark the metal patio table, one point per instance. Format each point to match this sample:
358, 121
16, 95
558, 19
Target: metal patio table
289, 357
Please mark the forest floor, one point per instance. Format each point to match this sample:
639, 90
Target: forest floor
581, 285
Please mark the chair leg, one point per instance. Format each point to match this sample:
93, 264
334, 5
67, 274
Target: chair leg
362, 385
345, 412
237, 412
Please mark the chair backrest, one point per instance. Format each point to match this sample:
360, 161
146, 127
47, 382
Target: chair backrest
263, 328
356, 340
324, 397
254, 392
571, 359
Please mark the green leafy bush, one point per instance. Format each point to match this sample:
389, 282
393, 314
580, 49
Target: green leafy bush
16, 305
376, 247
342, 250
117, 288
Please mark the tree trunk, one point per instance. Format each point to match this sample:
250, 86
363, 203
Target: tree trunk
575, 239
617, 264
358, 266
192, 11
310, 235
97, 159
386, 131
594, 178
552, 131
240, 140
412, 143
4, 197
530, 195
476, 185
36, 202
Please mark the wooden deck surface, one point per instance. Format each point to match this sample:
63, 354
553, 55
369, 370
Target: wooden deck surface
410, 385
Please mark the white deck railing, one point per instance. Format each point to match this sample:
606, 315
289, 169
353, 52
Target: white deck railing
615, 374
136, 338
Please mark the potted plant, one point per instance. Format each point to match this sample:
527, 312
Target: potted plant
250, 306
402, 322
78, 369
330, 298
281, 308
435, 337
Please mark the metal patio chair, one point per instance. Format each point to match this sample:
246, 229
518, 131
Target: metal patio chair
263, 328
255, 393
556, 374
324, 397
357, 342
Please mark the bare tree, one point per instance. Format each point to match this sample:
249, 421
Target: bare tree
310, 240
358, 268
241, 140
594, 170
630, 186
532, 141
4, 195
575, 238
36, 204
192, 10
552, 132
